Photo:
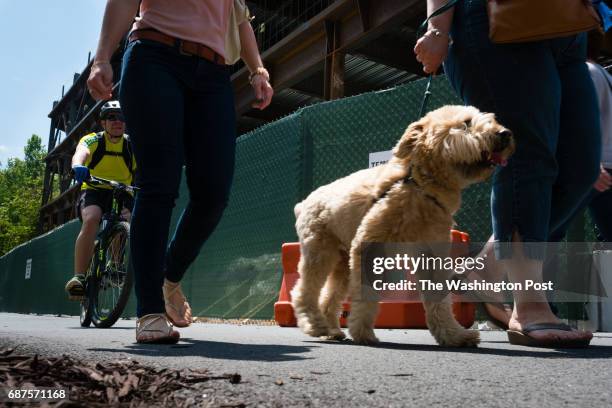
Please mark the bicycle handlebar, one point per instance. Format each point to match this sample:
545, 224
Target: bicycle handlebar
114, 184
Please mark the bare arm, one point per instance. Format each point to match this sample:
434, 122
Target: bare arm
442, 22
80, 155
118, 16
251, 57
432, 47
249, 51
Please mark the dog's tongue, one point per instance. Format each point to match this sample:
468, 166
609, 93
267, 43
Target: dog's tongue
498, 158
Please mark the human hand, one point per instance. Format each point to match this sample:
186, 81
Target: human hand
100, 81
80, 172
604, 181
431, 50
263, 92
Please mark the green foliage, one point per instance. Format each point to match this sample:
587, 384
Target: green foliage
20, 195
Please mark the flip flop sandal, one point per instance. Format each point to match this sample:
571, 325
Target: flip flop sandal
155, 329
522, 337
169, 292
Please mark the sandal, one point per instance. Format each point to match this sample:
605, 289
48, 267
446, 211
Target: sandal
155, 329
180, 308
522, 337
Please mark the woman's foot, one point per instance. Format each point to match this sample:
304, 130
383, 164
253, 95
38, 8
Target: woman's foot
498, 313
177, 308
538, 326
155, 329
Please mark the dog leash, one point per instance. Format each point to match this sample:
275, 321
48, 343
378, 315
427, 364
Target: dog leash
408, 179
419, 33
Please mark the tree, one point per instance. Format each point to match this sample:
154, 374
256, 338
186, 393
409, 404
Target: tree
20, 195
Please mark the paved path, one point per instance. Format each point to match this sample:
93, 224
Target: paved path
407, 369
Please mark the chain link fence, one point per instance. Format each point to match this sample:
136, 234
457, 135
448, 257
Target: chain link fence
238, 272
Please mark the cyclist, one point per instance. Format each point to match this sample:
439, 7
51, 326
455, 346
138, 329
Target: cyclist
108, 155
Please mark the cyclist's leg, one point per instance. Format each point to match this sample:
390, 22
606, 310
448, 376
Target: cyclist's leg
210, 139
89, 211
128, 206
90, 214
118, 244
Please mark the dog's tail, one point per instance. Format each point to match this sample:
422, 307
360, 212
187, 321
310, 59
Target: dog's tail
297, 209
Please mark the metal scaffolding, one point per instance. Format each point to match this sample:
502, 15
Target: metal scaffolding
315, 50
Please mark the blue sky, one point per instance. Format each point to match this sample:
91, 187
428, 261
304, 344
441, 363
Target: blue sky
44, 44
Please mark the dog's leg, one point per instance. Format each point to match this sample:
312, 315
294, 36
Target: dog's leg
438, 306
332, 296
316, 263
363, 312
444, 327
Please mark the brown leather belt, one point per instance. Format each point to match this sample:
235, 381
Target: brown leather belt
185, 47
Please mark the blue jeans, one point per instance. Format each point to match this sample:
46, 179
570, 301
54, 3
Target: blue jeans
179, 110
541, 91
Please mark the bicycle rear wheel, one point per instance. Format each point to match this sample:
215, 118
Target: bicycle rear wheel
113, 282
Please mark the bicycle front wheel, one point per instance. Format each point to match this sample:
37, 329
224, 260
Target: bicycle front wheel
90, 282
114, 278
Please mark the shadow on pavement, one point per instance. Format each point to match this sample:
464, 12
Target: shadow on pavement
591, 352
95, 328
217, 350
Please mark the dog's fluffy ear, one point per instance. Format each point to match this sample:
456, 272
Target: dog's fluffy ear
404, 147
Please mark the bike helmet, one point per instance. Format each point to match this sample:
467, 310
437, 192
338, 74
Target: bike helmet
108, 108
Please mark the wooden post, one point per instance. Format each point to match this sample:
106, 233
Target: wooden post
333, 83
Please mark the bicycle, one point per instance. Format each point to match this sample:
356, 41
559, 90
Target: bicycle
110, 277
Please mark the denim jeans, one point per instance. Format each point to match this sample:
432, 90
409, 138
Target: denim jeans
541, 91
179, 110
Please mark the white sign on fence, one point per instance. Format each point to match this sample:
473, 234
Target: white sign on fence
378, 158
28, 268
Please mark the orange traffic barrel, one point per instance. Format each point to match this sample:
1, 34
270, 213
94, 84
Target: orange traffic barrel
400, 314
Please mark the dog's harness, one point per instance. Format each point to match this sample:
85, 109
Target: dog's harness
409, 179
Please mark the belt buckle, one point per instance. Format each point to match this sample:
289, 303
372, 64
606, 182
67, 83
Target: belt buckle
181, 49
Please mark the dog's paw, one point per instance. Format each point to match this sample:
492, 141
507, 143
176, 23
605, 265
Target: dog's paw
463, 338
335, 335
312, 326
314, 330
364, 337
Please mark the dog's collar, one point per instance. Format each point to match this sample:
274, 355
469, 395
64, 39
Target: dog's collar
409, 179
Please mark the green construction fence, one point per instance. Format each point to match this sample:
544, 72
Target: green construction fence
238, 272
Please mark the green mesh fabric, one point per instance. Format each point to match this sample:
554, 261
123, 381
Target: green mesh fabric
51, 258
238, 272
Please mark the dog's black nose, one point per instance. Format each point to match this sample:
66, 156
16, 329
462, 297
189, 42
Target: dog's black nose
505, 137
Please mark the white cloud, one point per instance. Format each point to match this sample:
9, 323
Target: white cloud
3, 149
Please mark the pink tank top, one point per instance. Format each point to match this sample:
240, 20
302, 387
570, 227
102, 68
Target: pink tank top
202, 21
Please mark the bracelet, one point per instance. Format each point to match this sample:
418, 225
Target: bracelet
438, 33
100, 63
259, 71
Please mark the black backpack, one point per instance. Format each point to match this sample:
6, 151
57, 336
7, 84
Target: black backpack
101, 151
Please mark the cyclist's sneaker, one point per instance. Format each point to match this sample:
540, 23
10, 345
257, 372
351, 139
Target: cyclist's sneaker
76, 287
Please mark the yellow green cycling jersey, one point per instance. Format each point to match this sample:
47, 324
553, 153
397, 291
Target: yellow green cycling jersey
112, 166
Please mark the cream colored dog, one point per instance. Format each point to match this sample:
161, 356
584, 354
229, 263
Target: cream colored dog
412, 198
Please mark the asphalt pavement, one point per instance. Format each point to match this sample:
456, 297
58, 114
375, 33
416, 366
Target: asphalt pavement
283, 367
